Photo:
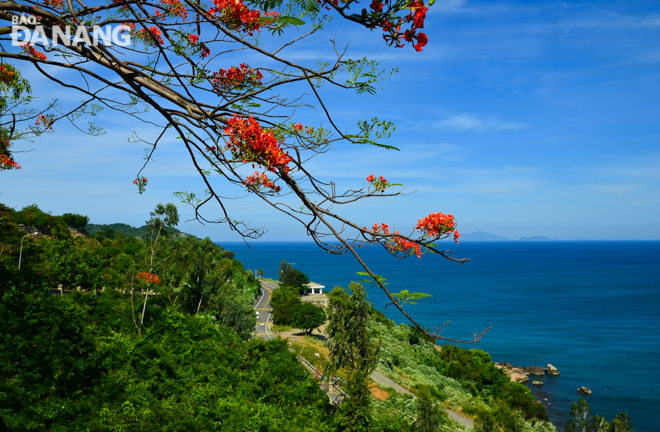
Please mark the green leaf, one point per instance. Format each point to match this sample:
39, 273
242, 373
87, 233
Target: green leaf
404, 297
291, 20
385, 146
378, 277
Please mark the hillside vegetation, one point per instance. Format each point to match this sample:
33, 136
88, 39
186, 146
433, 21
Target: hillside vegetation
156, 334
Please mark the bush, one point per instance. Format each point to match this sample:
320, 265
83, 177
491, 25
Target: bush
77, 363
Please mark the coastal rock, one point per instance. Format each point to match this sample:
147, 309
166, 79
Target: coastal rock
519, 378
534, 370
506, 365
584, 390
537, 383
518, 369
551, 370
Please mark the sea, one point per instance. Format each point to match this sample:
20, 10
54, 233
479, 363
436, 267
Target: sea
589, 308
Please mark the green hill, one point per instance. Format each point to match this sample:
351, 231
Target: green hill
126, 230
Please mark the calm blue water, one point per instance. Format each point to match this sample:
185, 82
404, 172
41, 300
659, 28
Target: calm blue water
592, 309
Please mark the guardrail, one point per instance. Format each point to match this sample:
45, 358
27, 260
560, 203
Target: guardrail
310, 367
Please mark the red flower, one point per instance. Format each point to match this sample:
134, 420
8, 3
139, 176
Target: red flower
377, 5
193, 38
236, 78
259, 181
249, 142
436, 225
148, 277
421, 41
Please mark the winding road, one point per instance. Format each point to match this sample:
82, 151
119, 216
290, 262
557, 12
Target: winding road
263, 307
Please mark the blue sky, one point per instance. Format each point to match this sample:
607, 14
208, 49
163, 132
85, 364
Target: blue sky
519, 118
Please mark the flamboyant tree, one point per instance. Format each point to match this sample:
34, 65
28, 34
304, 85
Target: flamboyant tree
184, 63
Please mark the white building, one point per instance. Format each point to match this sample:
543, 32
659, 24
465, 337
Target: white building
315, 288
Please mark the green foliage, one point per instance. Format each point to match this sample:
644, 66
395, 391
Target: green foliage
33, 216
352, 348
284, 300
292, 277
75, 220
463, 378
404, 297
429, 414
307, 317
60, 230
581, 420
621, 423
124, 229
77, 363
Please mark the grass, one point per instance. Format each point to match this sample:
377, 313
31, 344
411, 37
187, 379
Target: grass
314, 346
283, 328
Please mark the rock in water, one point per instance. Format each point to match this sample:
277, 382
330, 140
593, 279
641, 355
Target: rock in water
534, 370
584, 390
537, 383
551, 370
519, 378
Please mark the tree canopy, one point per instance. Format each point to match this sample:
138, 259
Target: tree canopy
307, 317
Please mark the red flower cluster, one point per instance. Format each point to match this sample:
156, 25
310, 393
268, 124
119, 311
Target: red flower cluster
32, 52
436, 225
393, 29
55, 4
193, 39
236, 78
6, 74
236, 16
139, 181
379, 184
404, 247
7, 163
47, 121
125, 7
248, 141
148, 277
396, 245
175, 8
260, 180
150, 36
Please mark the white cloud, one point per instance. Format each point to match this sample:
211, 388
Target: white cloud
464, 122
615, 188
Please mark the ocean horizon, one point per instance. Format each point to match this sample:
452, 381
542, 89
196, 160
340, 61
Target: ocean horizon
590, 308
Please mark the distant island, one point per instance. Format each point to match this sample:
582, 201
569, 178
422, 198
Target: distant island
484, 236
536, 238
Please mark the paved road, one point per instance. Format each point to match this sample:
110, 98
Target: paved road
379, 377
263, 307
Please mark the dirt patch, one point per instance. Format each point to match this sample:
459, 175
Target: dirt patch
378, 392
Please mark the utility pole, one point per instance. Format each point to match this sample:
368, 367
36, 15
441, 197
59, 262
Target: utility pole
20, 255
